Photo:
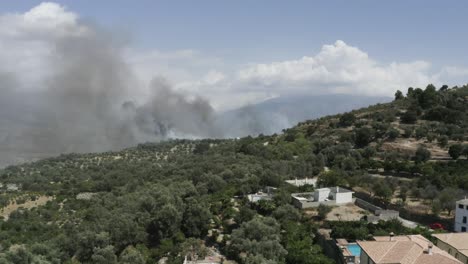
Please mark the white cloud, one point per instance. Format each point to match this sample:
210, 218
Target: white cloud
26, 39
337, 68
44, 20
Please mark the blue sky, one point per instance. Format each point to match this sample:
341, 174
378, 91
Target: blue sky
276, 30
239, 52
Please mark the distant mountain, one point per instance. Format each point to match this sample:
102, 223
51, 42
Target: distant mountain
273, 115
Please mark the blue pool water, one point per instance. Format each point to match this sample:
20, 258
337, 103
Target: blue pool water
355, 249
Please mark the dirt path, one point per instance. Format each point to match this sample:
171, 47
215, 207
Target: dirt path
7, 210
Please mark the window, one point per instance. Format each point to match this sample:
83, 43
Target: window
464, 220
463, 229
460, 206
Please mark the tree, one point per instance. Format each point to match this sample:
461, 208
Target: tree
196, 219
443, 88
422, 155
347, 119
323, 211
393, 134
447, 198
410, 92
465, 151
165, 224
403, 195
436, 207
131, 256
286, 213
455, 151
429, 97
245, 214
443, 141
300, 245
331, 178
260, 236
399, 95
88, 241
409, 117
258, 259
194, 249
126, 231
383, 191
363, 136
104, 255
420, 132
201, 148
266, 207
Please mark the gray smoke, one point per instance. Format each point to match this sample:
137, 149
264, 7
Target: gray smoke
86, 105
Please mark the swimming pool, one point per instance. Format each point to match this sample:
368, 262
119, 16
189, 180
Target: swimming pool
355, 249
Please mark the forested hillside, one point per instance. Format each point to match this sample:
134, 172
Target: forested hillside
179, 198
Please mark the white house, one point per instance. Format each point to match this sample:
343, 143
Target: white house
301, 182
329, 196
267, 194
461, 216
341, 195
322, 194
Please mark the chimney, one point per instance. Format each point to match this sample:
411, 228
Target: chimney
391, 236
429, 248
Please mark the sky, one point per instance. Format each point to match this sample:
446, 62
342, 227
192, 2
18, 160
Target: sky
241, 52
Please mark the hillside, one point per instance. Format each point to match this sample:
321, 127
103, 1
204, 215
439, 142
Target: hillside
274, 115
176, 198
25, 135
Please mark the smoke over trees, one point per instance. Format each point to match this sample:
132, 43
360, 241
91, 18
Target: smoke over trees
85, 104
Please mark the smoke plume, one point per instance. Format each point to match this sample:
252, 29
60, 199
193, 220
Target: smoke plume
85, 104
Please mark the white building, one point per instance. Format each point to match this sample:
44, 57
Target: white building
461, 216
302, 182
267, 194
328, 196
341, 195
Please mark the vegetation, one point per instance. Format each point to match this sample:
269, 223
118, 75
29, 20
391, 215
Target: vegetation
174, 199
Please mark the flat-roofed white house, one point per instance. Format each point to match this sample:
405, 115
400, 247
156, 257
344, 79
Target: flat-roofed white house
266, 194
302, 182
461, 216
456, 244
328, 196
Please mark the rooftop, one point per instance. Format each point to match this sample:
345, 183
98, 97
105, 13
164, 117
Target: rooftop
340, 190
456, 240
302, 182
405, 250
307, 196
464, 201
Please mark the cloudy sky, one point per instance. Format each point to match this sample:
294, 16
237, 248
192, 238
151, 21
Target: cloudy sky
240, 52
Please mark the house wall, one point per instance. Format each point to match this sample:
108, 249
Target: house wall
321, 194
367, 206
344, 197
303, 204
459, 214
452, 251
365, 258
